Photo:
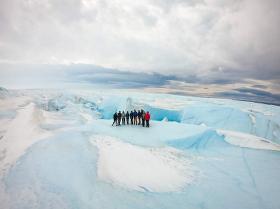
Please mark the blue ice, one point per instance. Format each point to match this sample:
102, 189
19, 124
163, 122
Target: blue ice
61, 171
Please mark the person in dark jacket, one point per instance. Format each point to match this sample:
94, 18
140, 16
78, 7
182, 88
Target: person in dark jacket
147, 119
127, 117
139, 117
131, 117
115, 117
119, 118
123, 118
143, 118
135, 117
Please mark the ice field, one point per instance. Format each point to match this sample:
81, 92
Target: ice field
59, 150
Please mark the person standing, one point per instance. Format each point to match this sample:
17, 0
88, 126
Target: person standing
131, 117
147, 119
115, 117
143, 118
119, 118
139, 117
127, 117
123, 118
134, 117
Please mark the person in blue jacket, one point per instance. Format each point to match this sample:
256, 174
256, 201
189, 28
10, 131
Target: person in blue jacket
135, 114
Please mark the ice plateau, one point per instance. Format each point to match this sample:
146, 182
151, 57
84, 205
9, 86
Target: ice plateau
58, 149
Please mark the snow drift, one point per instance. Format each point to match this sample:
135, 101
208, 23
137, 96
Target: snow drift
142, 169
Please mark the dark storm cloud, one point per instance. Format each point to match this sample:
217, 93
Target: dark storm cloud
263, 97
257, 92
252, 94
116, 78
81, 73
260, 86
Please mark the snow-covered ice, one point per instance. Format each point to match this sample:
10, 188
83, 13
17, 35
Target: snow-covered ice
59, 150
20, 134
142, 169
247, 140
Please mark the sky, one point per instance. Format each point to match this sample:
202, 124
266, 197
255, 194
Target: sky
205, 47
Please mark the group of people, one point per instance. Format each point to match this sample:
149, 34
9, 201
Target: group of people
134, 118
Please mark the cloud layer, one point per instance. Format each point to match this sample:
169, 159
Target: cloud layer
208, 47
94, 77
205, 37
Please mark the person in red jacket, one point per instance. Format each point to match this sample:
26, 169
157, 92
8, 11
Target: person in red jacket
147, 119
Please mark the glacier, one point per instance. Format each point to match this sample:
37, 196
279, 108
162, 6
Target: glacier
59, 150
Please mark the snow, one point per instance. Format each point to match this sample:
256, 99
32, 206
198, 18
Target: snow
248, 140
229, 117
20, 134
59, 150
141, 169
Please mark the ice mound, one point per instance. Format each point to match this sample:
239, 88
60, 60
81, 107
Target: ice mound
248, 140
235, 118
159, 114
209, 139
142, 169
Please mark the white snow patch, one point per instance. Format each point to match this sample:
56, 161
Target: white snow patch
165, 119
203, 125
140, 168
86, 117
168, 103
20, 133
52, 121
14, 102
248, 140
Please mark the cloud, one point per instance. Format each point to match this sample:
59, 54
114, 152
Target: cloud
96, 77
116, 78
185, 37
203, 47
254, 92
262, 97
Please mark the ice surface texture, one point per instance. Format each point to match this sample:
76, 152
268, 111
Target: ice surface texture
59, 150
141, 169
